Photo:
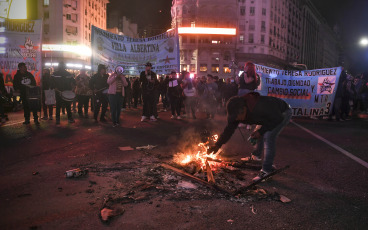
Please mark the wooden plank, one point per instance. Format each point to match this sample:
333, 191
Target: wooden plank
210, 177
189, 176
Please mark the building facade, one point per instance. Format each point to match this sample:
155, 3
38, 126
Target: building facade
67, 28
277, 33
201, 51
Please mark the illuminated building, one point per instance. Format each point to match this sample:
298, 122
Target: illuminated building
276, 33
67, 28
207, 30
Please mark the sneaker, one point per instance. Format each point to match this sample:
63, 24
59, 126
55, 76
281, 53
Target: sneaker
71, 121
252, 158
172, 117
178, 117
26, 123
45, 118
153, 118
144, 118
115, 125
262, 174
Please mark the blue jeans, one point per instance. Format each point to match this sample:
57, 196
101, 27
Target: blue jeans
267, 143
116, 101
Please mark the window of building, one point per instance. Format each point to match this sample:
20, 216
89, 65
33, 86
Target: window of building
183, 67
192, 68
252, 11
46, 2
74, 4
241, 39
203, 68
74, 17
46, 28
264, 11
71, 30
251, 38
215, 68
226, 69
68, 17
262, 39
241, 27
263, 26
242, 10
85, 12
46, 15
252, 25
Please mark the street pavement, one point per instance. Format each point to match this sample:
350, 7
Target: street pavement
326, 181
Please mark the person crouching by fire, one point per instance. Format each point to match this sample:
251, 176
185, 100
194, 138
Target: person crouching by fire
273, 114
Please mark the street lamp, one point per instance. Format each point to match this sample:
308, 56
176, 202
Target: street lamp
364, 42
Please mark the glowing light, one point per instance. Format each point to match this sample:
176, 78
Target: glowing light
74, 65
191, 75
18, 9
205, 30
2, 29
2, 50
81, 50
87, 67
2, 40
364, 42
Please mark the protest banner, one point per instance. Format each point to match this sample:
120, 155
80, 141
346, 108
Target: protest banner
21, 42
132, 53
309, 92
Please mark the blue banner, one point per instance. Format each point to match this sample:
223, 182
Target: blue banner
309, 92
132, 53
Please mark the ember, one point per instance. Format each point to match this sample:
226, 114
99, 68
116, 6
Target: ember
199, 156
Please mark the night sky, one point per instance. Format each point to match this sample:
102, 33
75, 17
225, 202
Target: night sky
350, 15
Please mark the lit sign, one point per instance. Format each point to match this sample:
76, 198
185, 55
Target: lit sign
205, 30
81, 50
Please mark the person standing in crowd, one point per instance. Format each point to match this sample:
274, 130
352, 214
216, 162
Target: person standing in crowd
248, 80
209, 96
230, 89
98, 84
22, 79
127, 99
162, 91
273, 114
63, 81
116, 92
336, 108
190, 99
149, 83
173, 92
201, 86
82, 91
46, 85
3, 95
348, 95
136, 88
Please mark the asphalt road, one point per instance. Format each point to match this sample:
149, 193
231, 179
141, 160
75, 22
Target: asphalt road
326, 181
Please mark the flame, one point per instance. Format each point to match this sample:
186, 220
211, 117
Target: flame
201, 156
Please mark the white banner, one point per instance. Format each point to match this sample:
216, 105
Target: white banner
132, 53
20, 42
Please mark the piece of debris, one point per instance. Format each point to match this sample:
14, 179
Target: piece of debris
284, 199
24, 195
146, 147
230, 221
90, 190
126, 148
107, 214
253, 210
210, 177
76, 173
35, 173
186, 185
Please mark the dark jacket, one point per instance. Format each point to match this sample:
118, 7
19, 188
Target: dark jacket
147, 86
63, 80
230, 90
22, 80
98, 82
261, 110
46, 82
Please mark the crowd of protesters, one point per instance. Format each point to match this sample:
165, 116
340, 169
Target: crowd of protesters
182, 94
